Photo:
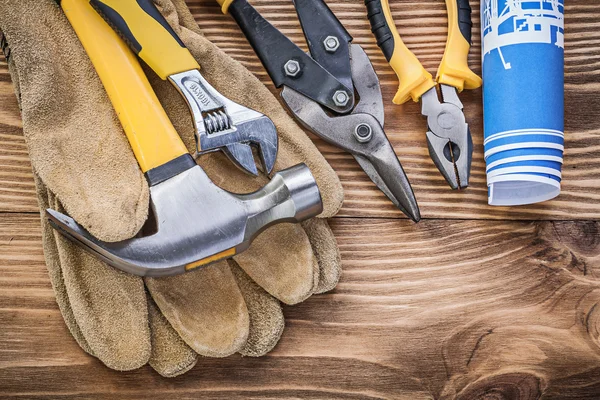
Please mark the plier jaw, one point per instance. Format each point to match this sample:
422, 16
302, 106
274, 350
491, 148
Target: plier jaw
448, 136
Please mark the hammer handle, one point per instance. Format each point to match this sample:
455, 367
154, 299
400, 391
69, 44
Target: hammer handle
153, 138
148, 34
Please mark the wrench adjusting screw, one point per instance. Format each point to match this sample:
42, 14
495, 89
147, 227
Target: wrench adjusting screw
331, 44
292, 68
341, 98
363, 133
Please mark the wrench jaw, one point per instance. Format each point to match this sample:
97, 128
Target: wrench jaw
221, 124
237, 143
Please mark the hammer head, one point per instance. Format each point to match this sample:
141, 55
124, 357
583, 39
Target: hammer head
195, 223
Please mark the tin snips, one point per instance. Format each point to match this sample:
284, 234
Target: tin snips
333, 91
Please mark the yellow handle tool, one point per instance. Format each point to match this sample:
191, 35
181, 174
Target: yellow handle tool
414, 79
454, 70
153, 138
148, 34
224, 5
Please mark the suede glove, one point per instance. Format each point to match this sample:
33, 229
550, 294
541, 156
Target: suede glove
84, 166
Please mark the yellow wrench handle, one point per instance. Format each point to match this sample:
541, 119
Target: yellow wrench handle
454, 69
414, 79
148, 34
153, 138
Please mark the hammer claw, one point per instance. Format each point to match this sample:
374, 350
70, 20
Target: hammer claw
197, 223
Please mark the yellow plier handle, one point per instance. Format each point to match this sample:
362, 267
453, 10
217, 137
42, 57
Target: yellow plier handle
414, 79
454, 69
147, 33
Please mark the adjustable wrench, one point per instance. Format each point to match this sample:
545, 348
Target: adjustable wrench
220, 123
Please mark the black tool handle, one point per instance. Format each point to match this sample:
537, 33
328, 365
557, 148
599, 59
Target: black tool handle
328, 40
285, 62
380, 26
465, 22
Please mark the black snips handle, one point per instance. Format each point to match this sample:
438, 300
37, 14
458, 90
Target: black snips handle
288, 65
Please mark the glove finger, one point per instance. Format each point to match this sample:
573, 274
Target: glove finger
281, 261
326, 251
266, 316
75, 141
205, 307
55, 271
171, 356
234, 81
109, 306
185, 17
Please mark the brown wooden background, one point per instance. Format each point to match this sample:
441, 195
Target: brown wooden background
473, 302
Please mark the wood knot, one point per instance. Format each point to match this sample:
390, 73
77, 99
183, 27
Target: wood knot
572, 245
581, 237
510, 386
592, 323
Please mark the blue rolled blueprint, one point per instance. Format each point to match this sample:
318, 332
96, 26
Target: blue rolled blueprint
523, 96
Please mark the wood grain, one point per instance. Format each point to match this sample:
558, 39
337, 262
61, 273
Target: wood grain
474, 302
419, 314
423, 26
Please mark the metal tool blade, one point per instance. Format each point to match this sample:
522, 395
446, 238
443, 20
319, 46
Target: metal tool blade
391, 179
367, 85
373, 150
448, 137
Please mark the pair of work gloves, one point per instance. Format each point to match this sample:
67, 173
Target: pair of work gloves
84, 166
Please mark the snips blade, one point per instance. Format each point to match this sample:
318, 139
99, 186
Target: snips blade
384, 169
360, 133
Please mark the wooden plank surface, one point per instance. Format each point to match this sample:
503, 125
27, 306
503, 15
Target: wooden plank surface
419, 314
473, 302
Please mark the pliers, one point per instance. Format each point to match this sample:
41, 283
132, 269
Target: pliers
319, 90
448, 136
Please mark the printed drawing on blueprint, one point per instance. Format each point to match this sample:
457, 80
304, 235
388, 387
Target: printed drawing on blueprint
523, 68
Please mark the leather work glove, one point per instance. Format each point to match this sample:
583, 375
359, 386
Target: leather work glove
85, 167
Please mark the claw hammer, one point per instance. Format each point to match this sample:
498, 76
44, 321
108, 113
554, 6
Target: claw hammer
193, 222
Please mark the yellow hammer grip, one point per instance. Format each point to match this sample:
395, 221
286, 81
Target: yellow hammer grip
224, 5
454, 69
148, 128
148, 34
414, 79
